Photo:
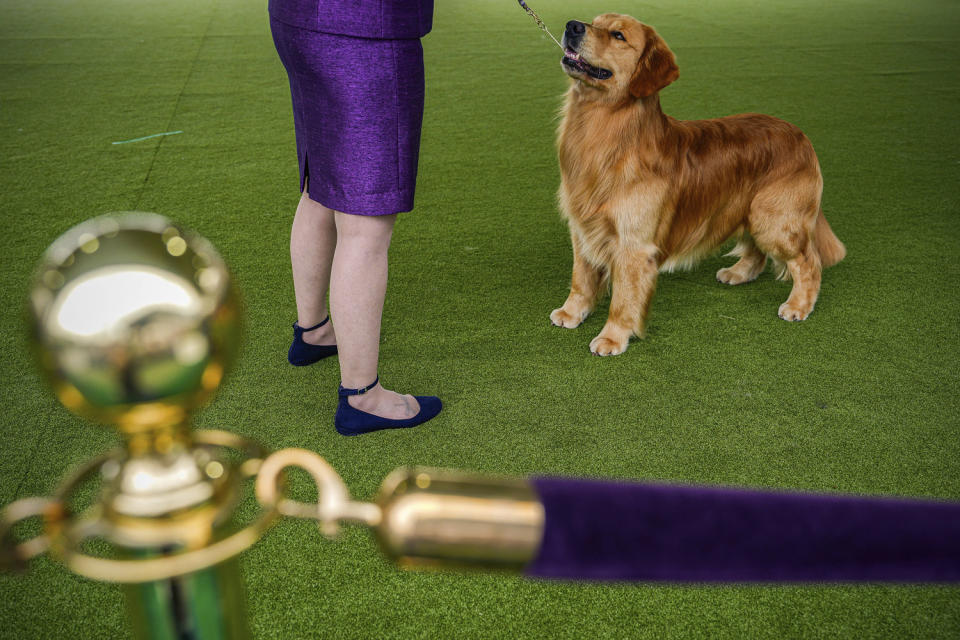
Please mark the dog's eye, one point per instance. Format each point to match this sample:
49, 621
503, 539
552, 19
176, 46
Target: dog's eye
618, 35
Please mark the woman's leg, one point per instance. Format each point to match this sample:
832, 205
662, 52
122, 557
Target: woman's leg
313, 240
358, 284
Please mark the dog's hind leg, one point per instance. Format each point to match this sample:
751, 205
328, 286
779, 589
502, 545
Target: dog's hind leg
805, 270
748, 267
782, 220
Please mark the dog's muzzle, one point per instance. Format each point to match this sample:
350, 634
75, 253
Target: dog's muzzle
572, 61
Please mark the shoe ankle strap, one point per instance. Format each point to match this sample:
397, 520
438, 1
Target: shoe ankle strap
297, 327
343, 393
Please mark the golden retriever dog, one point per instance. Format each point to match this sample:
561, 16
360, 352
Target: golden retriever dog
643, 192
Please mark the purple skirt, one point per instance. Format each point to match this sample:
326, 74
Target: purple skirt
357, 110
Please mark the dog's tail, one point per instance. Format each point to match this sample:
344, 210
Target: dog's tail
828, 245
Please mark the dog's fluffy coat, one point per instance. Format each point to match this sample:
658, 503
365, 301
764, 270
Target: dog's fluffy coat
643, 192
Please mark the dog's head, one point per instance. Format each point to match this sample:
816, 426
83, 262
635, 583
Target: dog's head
618, 54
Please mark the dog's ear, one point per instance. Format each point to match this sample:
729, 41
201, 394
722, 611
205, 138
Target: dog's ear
656, 68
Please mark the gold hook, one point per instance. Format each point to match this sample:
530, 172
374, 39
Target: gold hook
334, 503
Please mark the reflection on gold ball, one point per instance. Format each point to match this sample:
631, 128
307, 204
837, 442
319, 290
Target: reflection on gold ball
135, 320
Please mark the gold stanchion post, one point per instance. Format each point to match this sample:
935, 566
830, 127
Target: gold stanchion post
135, 322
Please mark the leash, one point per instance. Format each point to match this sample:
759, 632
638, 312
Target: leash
539, 22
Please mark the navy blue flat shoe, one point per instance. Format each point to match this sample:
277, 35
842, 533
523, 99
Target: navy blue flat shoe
303, 353
350, 421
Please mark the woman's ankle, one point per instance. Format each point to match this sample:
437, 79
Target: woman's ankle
385, 403
322, 335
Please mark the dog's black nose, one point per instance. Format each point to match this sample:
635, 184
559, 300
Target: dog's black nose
575, 28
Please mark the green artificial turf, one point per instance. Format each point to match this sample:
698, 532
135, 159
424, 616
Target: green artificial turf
861, 398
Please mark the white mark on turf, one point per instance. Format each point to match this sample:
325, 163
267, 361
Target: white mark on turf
155, 135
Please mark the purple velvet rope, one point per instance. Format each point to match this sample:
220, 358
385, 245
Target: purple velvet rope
642, 532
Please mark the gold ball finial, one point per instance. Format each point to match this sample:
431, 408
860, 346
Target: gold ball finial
135, 320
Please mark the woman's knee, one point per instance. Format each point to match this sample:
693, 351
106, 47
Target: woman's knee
373, 229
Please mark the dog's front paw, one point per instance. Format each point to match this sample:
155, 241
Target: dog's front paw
603, 346
793, 313
559, 317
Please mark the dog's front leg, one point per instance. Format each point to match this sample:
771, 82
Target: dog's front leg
584, 289
634, 276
